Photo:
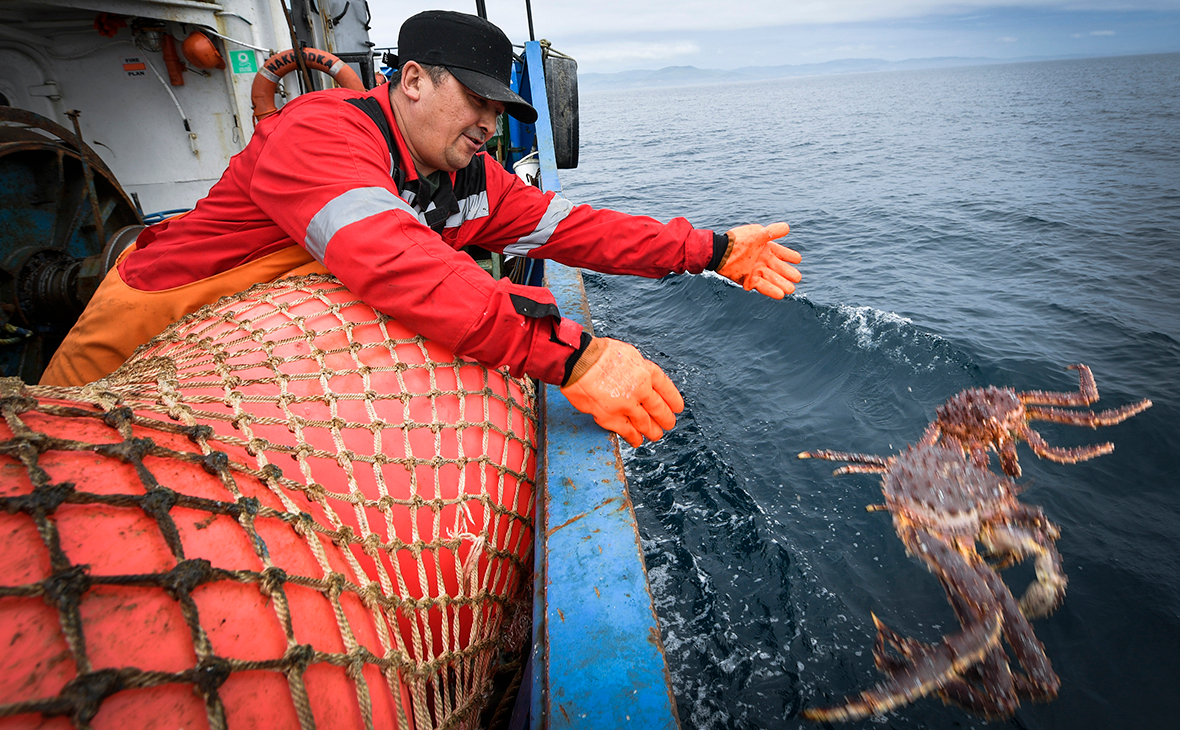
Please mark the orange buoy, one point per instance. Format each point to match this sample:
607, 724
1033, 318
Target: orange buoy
262, 91
286, 510
198, 48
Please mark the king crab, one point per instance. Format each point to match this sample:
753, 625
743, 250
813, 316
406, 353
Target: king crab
981, 418
942, 504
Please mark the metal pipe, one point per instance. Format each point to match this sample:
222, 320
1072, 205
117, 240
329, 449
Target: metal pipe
299, 62
481, 9
528, 8
88, 176
255, 38
25, 37
268, 51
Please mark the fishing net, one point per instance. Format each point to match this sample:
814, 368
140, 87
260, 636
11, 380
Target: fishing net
286, 510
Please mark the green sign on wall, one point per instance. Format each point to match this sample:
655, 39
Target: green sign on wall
243, 62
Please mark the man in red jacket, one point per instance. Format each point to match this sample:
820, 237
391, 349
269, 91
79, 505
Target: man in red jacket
382, 189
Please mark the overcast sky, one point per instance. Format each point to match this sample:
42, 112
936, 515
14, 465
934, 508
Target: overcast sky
616, 35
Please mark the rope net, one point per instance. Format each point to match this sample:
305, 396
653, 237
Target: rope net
286, 510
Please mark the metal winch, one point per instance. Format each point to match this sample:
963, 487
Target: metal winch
64, 219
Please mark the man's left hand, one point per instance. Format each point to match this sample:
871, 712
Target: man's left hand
756, 262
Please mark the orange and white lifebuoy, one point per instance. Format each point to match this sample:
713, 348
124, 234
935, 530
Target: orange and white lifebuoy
262, 92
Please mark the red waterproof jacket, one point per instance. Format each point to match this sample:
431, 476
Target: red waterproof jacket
321, 175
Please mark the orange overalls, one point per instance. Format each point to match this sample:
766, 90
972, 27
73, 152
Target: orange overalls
120, 318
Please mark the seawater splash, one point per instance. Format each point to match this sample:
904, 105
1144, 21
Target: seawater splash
894, 335
871, 325
889, 334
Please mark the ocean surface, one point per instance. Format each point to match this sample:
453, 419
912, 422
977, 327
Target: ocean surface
960, 227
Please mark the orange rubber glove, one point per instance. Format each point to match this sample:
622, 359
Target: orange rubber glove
624, 392
756, 263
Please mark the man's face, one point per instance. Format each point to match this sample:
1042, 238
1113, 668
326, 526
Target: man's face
450, 123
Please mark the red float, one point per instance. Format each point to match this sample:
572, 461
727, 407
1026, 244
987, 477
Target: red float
285, 510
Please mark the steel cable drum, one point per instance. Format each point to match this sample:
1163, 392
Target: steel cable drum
61, 215
286, 509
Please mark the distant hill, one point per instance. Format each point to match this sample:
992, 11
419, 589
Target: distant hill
693, 76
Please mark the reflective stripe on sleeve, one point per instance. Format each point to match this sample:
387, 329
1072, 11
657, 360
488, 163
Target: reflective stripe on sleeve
470, 208
558, 209
348, 208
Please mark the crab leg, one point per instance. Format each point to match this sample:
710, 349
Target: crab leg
845, 456
999, 557
1009, 462
1031, 534
1063, 455
861, 463
931, 666
1033, 516
996, 696
980, 458
1087, 418
1041, 682
987, 689
1087, 392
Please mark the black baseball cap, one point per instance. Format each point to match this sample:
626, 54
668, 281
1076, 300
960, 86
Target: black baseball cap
472, 49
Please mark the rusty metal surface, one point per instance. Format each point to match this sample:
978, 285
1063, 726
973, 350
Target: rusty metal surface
16, 125
598, 660
58, 202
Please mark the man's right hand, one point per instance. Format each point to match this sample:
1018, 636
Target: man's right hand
623, 392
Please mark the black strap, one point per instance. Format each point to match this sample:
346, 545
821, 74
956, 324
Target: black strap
372, 108
445, 202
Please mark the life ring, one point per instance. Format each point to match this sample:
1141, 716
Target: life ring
287, 510
262, 91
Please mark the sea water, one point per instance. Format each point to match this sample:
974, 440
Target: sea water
959, 228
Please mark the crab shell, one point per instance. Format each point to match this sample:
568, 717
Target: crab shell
983, 415
916, 488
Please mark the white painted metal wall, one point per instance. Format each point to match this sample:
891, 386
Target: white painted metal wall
53, 60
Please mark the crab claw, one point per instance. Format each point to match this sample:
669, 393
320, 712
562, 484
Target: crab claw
1044, 594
